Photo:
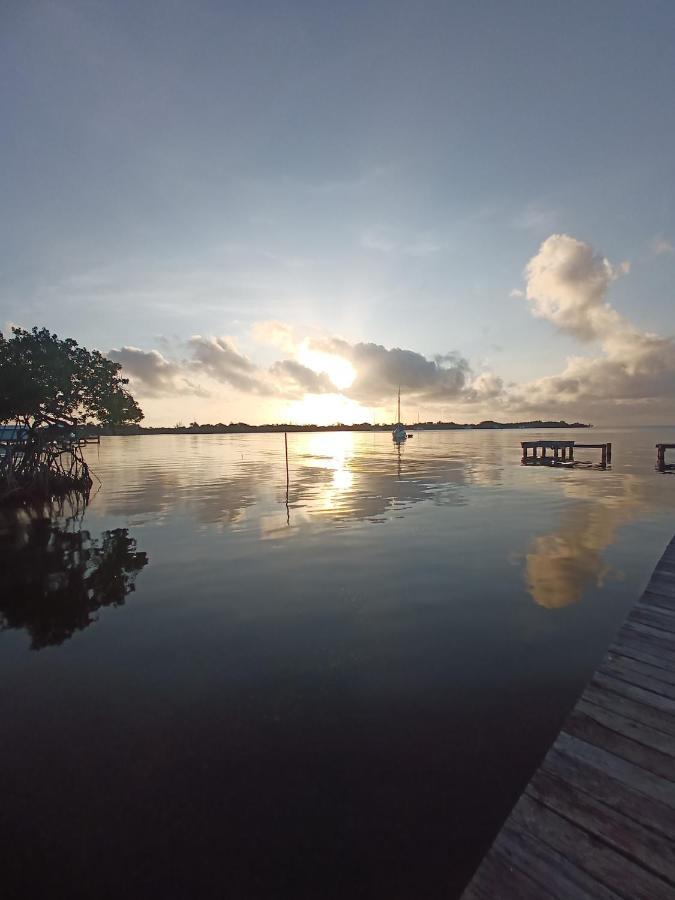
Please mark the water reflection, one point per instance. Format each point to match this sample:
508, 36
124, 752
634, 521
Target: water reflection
336, 481
383, 632
343, 480
333, 478
54, 576
562, 565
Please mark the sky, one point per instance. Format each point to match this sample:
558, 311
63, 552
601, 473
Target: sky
282, 211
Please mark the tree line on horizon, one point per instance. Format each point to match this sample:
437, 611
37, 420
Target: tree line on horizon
245, 428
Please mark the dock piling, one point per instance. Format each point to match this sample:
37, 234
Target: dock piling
563, 452
661, 464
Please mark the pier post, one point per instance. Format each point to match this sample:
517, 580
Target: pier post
609, 453
603, 461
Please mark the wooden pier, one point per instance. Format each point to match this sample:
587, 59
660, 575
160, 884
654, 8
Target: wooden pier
661, 463
597, 820
562, 452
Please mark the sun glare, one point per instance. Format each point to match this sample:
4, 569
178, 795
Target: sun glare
326, 409
340, 371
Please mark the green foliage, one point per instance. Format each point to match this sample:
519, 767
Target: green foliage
44, 379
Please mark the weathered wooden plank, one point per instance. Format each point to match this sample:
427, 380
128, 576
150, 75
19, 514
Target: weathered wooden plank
633, 692
640, 654
631, 709
631, 664
662, 619
651, 850
628, 643
664, 568
632, 635
617, 669
668, 555
653, 598
593, 732
665, 572
646, 783
651, 631
626, 878
643, 734
668, 612
550, 869
588, 779
662, 584
638, 635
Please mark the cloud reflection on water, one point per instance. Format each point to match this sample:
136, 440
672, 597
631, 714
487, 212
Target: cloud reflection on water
343, 479
330, 479
561, 565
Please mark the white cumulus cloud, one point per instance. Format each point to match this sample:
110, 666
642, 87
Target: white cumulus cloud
568, 283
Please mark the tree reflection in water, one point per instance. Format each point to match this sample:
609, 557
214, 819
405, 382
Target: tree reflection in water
54, 576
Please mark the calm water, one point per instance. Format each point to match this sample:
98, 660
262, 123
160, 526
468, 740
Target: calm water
208, 692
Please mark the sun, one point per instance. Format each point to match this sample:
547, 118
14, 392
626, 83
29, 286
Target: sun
340, 371
330, 408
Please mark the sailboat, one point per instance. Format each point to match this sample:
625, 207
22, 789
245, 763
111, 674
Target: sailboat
399, 432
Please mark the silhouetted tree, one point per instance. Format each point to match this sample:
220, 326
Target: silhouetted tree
47, 380
48, 386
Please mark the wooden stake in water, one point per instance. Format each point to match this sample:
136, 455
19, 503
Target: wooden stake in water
288, 511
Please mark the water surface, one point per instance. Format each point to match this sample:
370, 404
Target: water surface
211, 687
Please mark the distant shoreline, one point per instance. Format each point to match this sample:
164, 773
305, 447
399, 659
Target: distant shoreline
244, 428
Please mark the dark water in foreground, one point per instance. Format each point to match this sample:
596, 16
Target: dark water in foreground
205, 692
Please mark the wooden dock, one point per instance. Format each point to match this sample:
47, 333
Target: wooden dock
562, 452
597, 820
661, 463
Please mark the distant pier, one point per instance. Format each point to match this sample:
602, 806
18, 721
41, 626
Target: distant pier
597, 819
661, 463
536, 453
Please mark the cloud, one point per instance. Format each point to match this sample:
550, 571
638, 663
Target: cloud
567, 283
486, 386
661, 247
275, 334
380, 371
218, 358
516, 293
152, 375
297, 378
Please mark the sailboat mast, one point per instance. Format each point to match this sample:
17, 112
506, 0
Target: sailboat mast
399, 403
